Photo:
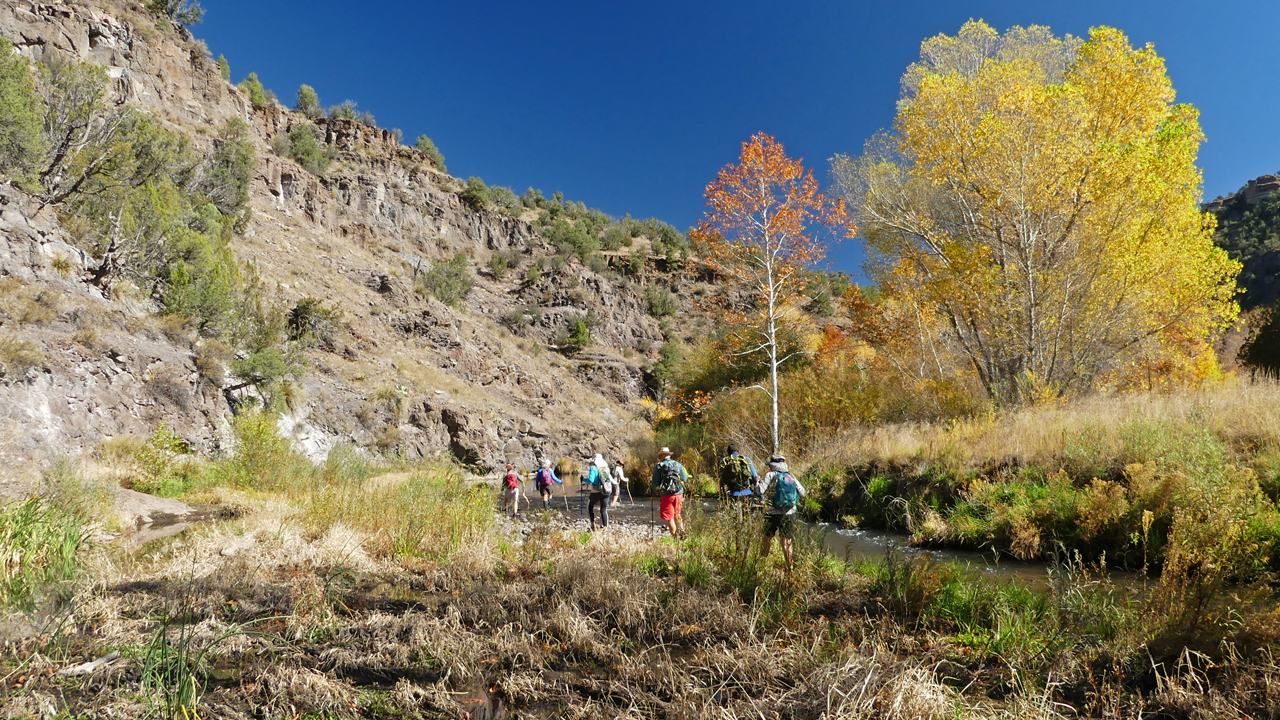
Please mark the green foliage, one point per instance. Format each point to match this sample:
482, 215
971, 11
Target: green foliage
308, 102
306, 149
228, 170
187, 12
428, 148
498, 266
22, 146
40, 544
669, 357
534, 199
1251, 234
449, 281
476, 194
264, 459
506, 200
345, 111
312, 324
533, 275
224, 68
659, 301
252, 88
579, 337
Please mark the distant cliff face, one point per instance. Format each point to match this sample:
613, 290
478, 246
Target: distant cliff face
408, 374
1249, 229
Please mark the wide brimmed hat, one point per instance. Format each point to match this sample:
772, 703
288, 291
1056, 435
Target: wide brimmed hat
777, 458
546, 463
664, 451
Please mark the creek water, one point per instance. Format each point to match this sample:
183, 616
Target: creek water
857, 544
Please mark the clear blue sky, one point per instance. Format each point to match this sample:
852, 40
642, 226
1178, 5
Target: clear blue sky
634, 107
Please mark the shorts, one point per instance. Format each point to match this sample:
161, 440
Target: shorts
512, 494
784, 525
670, 506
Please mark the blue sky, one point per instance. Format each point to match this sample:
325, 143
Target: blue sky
634, 107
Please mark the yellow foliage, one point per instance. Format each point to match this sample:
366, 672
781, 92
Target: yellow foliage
1038, 211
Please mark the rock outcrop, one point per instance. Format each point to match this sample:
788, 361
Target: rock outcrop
480, 382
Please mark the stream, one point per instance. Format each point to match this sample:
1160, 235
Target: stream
857, 544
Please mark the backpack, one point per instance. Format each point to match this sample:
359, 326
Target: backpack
604, 480
543, 477
785, 492
513, 480
670, 480
735, 473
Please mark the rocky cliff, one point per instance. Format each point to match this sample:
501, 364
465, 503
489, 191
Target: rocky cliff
406, 373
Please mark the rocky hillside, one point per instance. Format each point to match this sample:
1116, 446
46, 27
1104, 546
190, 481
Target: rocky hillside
1249, 229
403, 372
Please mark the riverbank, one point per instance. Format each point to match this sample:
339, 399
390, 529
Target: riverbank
351, 590
264, 615
1137, 481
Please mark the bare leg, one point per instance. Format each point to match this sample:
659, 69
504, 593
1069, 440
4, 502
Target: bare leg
786, 552
671, 526
766, 546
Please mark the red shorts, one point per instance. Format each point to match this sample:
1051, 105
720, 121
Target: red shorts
671, 505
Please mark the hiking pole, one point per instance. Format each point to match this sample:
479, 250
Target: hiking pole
652, 527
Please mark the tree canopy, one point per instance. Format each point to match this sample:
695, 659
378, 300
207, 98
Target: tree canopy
1035, 212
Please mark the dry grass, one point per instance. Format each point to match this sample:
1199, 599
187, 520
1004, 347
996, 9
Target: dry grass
533, 622
1242, 413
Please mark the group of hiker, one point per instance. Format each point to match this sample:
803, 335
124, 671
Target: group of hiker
778, 489
605, 486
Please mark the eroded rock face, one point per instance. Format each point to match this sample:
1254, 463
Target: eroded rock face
407, 374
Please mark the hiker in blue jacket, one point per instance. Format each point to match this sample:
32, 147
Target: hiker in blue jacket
542, 480
781, 492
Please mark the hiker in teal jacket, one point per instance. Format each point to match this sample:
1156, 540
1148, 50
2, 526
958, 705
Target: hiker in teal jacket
781, 492
604, 491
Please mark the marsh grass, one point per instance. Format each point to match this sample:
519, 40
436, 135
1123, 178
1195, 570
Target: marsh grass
39, 552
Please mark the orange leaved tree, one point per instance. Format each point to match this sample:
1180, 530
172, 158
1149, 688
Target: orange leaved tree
766, 222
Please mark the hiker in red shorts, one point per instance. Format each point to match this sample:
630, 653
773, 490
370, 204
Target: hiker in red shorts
669, 478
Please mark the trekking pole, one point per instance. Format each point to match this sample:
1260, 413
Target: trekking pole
652, 527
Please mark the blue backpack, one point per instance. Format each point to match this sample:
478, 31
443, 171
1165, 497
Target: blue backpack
785, 492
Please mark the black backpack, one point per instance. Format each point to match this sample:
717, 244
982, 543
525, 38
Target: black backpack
670, 479
735, 473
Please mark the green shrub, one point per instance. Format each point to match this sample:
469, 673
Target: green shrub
428, 148
264, 459
22, 146
498, 266
187, 12
345, 111
669, 357
312, 324
449, 281
308, 102
580, 336
533, 199
40, 545
305, 148
659, 301
533, 275
252, 87
476, 194
504, 198
230, 167
224, 68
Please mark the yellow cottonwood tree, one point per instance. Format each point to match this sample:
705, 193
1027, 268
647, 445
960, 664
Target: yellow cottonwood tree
1039, 198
